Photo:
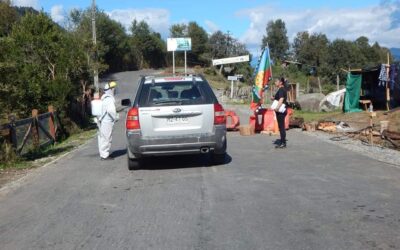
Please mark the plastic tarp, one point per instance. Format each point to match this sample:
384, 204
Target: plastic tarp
352, 96
332, 101
335, 97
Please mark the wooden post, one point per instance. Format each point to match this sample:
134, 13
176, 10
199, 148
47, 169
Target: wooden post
371, 131
51, 123
337, 82
13, 132
35, 129
319, 85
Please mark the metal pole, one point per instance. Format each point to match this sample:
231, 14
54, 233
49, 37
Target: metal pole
185, 64
173, 63
96, 73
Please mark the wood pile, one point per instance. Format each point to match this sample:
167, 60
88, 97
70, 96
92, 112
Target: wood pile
327, 126
310, 127
296, 122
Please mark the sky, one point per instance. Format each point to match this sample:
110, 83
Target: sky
246, 20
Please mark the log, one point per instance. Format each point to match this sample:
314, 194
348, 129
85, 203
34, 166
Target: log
391, 134
296, 122
310, 127
327, 126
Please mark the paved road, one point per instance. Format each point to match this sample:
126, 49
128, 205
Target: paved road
313, 195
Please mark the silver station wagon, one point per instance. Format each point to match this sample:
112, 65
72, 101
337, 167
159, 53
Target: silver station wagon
174, 116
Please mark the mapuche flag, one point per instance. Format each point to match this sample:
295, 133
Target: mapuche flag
262, 77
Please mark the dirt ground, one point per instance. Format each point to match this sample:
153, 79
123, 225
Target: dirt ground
11, 174
362, 119
20, 169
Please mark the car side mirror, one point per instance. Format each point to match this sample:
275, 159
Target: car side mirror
126, 102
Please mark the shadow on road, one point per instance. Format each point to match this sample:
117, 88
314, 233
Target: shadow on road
118, 153
181, 162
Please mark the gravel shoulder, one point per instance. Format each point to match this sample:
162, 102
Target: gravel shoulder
385, 155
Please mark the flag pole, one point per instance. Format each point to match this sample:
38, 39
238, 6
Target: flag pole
255, 73
269, 58
270, 66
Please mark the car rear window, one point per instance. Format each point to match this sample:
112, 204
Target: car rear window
175, 93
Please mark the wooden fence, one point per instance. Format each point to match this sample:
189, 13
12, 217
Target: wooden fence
40, 130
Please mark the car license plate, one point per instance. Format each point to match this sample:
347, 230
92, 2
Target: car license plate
177, 120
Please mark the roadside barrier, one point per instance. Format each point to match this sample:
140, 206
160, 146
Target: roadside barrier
38, 131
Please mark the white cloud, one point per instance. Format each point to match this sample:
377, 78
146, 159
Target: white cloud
57, 13
211, 26
26, 3
375, 22
158, 19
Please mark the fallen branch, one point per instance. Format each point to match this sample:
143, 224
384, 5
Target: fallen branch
391, 134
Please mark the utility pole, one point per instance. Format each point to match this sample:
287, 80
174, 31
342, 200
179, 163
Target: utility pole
96, 72
229, 44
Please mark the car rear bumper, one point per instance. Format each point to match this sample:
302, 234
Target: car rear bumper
188, 144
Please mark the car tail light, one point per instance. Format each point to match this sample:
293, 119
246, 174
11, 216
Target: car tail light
132, 119
219, 114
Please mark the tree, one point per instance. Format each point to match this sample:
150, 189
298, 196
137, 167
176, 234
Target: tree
148, 44
382, 53
343, 55
178, 30
43, 61
219, 44
276, 39
8, 17
311, 51
112, 51
222, 45
299, 43
198, 54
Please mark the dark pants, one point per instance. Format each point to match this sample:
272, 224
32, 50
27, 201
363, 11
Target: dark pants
281, 124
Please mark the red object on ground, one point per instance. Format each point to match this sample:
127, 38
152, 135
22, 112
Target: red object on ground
257, 120
265, 120
269, 120
288, 116
232, 120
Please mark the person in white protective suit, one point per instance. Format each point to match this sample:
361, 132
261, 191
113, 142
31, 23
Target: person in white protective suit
106, 121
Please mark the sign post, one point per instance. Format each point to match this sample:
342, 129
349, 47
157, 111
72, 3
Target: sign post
230, 60
185, 64
179, 44
232, 79
173, 63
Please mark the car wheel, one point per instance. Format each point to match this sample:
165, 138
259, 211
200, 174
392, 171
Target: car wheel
218, 159
134, 164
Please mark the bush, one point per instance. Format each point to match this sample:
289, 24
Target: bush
210, 71
7, 153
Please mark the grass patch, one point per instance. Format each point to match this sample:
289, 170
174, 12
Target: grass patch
315, 116
42, 156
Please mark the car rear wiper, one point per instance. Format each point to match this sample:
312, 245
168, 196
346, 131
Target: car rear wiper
167, 102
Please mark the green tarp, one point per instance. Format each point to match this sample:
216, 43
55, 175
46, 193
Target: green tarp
352, 97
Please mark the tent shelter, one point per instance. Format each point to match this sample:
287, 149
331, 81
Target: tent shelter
364, 85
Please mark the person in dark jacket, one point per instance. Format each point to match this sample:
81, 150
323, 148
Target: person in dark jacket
281, 97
